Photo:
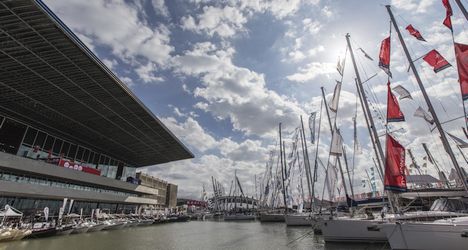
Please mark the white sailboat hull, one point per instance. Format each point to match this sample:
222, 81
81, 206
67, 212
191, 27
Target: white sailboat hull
297, 219
352, 230
414, 235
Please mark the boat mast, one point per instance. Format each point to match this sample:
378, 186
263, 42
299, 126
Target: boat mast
331, 130
305, 154
443, 137
462, 8
285, 175
282, 167
413, 160
316, 156
370, 124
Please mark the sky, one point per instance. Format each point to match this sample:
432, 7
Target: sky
222, 74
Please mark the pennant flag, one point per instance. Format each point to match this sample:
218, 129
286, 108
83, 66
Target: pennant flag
340, 66
461, 143
395, 169
436, 60
365, 54
384, 56
337, 143
402, 92
414, 32
312, 126
461, 54
394, 113
333, 105
423, 114
448, 13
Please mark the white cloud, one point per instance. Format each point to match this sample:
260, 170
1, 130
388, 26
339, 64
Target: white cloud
146, 73
225, 22
311, 71
117, 25
413, 5
160, 7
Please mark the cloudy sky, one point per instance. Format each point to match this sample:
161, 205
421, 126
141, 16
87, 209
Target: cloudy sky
222, 74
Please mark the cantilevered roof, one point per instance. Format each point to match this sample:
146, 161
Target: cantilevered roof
51, 80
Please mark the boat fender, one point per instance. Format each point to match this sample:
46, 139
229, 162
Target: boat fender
373, 228
464, 234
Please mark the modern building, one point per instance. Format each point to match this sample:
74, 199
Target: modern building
165, 195
68, 126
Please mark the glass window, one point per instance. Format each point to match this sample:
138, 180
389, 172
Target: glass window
79, 154
57, 146
72, 152
49, 142
30, 136
65, 148
40, 138
86, 155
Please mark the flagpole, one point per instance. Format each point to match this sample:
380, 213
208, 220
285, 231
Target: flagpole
462, 8
316, 157
443, 137
338, 157
285, 174
305, 154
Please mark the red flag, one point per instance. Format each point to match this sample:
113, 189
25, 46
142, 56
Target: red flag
394, 113
436, 60
384, 56
395, 168
448, 13
414, 32
461, 54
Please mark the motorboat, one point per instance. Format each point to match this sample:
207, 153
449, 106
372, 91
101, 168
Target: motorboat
42, 229
95, 227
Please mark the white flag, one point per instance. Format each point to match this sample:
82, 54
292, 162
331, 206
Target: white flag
461, 143
46, 213
337, 143
336, 97
402, 92
340, 66
312, 126
423, 114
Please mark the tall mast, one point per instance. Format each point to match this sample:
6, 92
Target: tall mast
372, 130
316, 157
285, 174
443, 137
462, 8
282, 168
441, 174
413, 160
331, 130
305, 154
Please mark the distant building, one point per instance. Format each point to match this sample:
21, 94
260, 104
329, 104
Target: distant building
165, 193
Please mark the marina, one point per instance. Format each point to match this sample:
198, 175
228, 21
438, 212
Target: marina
98, 151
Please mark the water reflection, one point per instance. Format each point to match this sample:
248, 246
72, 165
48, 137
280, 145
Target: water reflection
192, 235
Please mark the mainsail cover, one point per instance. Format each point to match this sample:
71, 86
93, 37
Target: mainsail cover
414, 32
394, 113
395, 178
384, 56
336, 97
436, 60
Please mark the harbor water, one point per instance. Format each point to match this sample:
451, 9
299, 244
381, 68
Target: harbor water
191, 235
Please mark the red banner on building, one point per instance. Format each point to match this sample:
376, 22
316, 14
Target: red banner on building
436, 60
395, 178
394, 113
71, 165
